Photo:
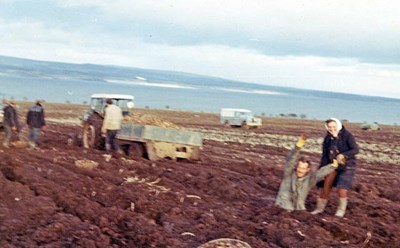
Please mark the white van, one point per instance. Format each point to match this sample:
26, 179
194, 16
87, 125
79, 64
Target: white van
239, 118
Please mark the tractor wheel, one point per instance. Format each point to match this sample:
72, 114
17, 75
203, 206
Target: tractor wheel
89, 136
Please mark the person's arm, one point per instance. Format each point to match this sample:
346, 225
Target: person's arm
16, 120
120, 115
28, 118
293, 155
325, 153
12, 118
352, 145
42, 119
105, 121
325, 170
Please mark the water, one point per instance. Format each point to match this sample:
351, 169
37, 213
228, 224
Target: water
178, 96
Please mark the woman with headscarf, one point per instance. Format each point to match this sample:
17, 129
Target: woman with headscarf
341, 145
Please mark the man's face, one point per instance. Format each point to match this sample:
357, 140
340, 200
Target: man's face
302, 169
332, 128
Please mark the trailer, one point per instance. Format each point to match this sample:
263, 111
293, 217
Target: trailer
138, 140
155, 142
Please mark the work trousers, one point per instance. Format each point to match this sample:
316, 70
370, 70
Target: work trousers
34, 134
111, 141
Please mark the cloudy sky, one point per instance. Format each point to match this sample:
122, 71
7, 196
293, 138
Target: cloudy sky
340, 45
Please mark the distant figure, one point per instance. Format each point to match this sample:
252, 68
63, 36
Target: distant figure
36, 122
298, 180
341, 145
10, 122
111, 125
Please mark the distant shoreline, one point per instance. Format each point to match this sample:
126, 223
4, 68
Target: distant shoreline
84, 107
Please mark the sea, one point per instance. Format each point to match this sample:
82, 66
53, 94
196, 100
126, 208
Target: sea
263, 101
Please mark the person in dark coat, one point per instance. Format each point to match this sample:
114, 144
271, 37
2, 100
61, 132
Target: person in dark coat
35, 120
10, 122
341, 145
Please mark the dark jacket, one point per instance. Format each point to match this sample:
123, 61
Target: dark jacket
10, 117
35, 118
345, 144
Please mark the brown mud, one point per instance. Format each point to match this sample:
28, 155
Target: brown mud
46, 200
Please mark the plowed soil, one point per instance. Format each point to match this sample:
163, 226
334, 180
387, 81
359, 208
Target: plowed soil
46, 200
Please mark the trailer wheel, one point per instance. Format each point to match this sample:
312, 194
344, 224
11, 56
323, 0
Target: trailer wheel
137, 150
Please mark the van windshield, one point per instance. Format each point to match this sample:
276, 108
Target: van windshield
243, 114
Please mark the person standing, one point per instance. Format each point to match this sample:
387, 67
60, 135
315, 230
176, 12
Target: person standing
111, 125
36, 122
341, 145
10, 122
298, 179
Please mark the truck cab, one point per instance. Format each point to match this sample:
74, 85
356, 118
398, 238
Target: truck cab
98, 102
239, 118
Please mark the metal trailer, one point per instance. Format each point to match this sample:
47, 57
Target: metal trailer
139, 140
155, 142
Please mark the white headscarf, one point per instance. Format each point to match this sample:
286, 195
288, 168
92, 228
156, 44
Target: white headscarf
338, 124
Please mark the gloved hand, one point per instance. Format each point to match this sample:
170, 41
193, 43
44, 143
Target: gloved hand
341, 159
333, 152
335, 163
301, 141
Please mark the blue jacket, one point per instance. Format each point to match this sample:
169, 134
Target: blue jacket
35, 118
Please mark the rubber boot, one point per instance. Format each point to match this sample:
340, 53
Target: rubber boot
341, 210
321, 204
31, 145
108, 147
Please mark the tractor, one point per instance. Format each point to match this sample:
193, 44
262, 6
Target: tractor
139, 140
92, 120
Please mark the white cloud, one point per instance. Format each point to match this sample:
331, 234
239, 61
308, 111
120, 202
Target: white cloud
257, 16
305, 44
358, 28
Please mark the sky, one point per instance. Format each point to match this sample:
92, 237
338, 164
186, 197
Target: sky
338, 46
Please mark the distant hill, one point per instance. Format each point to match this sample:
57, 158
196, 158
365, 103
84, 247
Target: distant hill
94, 72
104, 73
28, 67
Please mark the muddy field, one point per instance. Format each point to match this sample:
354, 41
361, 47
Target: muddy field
46, 200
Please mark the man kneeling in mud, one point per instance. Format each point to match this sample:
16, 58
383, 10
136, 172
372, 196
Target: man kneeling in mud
298, 180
